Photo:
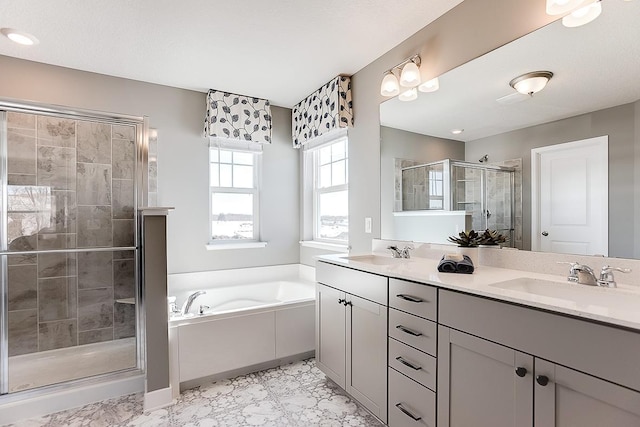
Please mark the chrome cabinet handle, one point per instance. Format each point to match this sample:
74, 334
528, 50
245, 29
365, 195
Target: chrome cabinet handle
409, 364
407, 413
409, 331
410, 298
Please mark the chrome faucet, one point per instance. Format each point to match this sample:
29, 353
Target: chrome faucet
606, 276
400, 253
187, 304
583, 274
586, 276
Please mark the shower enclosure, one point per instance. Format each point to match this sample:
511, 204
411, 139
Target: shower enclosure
486, 192
70, 182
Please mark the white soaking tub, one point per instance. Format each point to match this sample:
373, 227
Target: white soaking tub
246, 324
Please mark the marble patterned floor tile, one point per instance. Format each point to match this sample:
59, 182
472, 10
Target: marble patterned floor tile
257, 399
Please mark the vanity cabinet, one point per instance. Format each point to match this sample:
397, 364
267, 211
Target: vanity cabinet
351, 337
494, 369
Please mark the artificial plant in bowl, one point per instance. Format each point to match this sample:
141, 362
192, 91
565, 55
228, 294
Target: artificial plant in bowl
466, 239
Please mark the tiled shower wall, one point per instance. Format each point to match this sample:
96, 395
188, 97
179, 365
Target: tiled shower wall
70, 185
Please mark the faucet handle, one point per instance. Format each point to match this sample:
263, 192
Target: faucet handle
606, 275
573, 274
608, 269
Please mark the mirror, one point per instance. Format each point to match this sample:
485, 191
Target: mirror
595, 91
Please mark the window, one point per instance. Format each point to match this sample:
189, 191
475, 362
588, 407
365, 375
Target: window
234, 195
331, 192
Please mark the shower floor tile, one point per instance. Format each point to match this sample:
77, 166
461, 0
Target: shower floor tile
297, 394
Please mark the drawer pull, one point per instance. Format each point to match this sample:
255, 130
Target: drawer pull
409, 331
410, 298
407, 413
409, 364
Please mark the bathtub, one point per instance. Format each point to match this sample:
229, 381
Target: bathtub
252, 319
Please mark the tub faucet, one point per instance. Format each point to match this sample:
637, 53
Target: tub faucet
187, 304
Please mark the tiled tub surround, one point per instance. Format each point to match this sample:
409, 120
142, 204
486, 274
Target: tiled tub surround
70, 185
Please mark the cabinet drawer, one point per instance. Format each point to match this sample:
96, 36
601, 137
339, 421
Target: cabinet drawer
413, 298
365, 285
415, 331
409, 400
413, 363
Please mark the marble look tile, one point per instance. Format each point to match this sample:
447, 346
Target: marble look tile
23, 332
124, 132
123, 255
56, 241
123, 199
57, 299
23, 287
21, 120
62, 216
56, 132
94, 142
153, 142
56, 265
94, 226
96, 335
94, 184
27, 259
95, 270
57, 168
95, 309
153, 176
21, 231
123, 159
124, 284
22, 179
123, 233
21, 151
61, 334
124, 320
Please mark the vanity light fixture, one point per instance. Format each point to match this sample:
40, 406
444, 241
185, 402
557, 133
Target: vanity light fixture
409, 95
559, 7
390, 85
583, 15
19, 37
410, 76
530, 83
409, 73
430, 85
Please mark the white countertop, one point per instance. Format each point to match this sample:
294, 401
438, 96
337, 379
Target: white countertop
479, 283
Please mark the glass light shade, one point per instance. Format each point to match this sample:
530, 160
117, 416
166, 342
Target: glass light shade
430, 85
19, 37
389, 85
410, 76
409, 95
532, 82
583, 16
558, 7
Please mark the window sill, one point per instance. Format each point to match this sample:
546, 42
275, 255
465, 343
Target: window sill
326, 246
239, 245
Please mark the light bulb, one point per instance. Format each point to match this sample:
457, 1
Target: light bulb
583, 16
430, 85
410, 76
408, 95
389, 85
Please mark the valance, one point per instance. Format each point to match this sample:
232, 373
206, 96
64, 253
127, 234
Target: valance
237, 117
326, 109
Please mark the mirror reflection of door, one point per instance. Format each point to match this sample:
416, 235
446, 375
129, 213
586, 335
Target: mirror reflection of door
570, 197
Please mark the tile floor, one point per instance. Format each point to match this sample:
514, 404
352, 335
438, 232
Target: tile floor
297, 394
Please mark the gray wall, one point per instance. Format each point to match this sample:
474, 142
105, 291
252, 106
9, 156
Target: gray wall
400, 144
467, 31
620, 124
183, 160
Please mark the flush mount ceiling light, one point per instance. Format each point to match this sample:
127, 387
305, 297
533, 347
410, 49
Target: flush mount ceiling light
530, 83
19, 37
583, 15
430, 85
390, 85
409, 95
559, 7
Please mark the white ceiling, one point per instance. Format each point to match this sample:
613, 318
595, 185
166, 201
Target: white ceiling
595, 67
280, 50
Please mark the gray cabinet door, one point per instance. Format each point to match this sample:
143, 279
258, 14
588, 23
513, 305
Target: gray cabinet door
478, 385
567, 398
367, 354
330, 333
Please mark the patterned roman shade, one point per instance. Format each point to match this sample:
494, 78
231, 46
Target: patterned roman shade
326, 109
237, 117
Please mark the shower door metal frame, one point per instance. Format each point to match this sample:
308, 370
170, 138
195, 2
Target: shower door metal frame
140, 199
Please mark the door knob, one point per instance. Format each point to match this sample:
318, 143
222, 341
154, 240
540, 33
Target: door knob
545, 234
521, 372
543, 380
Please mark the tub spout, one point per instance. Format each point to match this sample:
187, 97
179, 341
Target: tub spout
187, 304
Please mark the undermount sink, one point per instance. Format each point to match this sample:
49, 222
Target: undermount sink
377, 259
576, 295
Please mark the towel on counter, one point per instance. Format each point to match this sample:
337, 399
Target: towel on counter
465, 266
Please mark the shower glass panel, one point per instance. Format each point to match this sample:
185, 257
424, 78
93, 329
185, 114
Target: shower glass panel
68, 248
499, 203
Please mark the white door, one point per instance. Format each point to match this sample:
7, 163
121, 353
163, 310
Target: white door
570, 197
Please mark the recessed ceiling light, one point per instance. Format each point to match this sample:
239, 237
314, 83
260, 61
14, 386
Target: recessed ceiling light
19, 37
457, 131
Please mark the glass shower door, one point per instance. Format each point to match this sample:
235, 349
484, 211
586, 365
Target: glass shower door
499, 202
68, 260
